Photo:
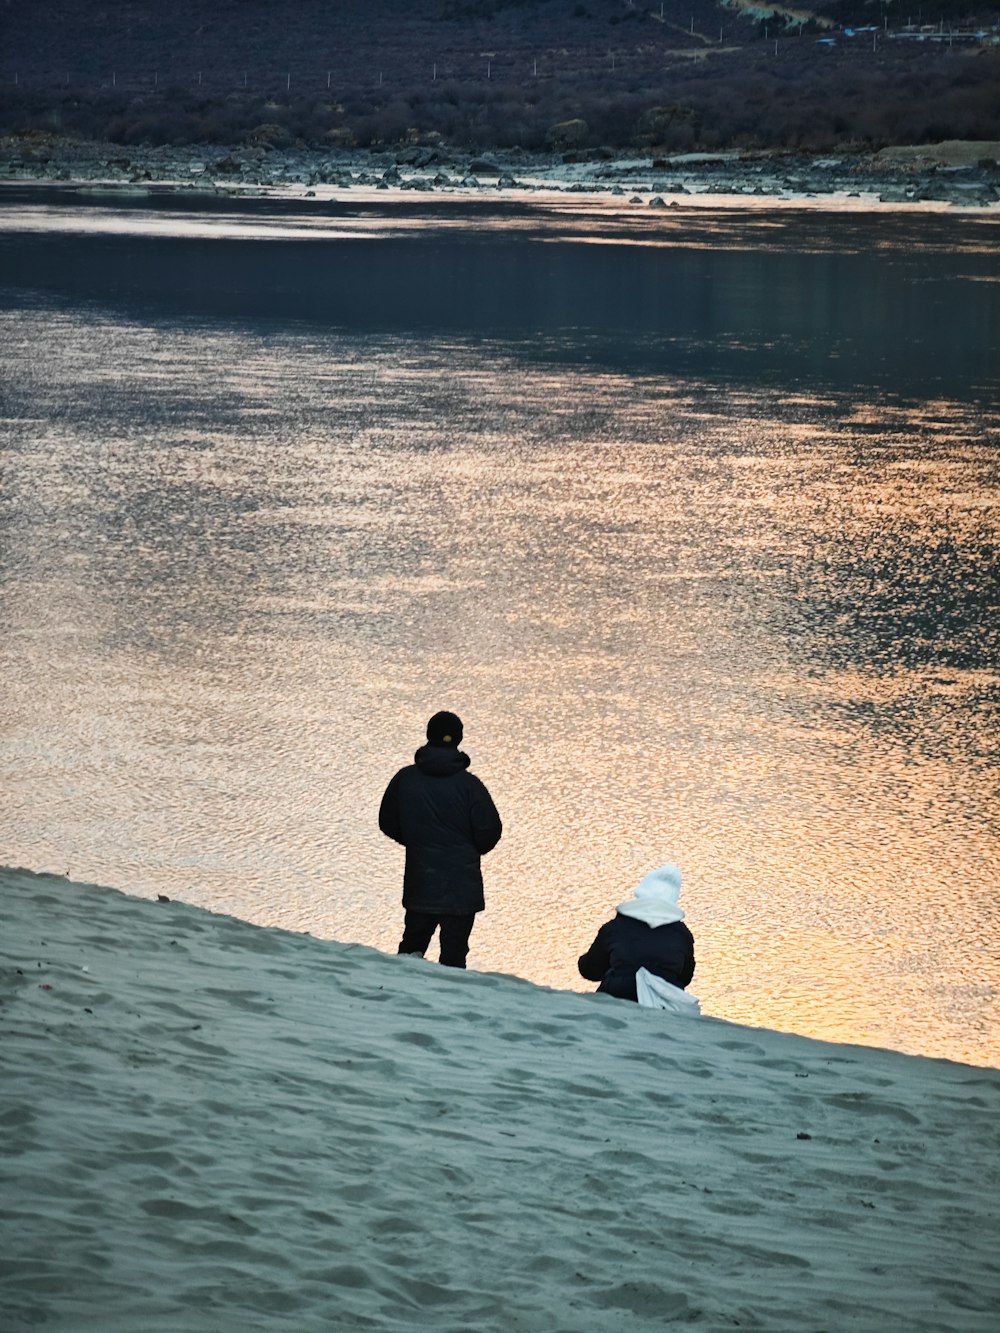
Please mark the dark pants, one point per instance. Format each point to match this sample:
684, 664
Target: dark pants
418, 927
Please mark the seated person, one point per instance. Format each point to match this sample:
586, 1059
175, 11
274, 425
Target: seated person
647, 931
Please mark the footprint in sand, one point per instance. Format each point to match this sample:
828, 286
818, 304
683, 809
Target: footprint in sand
863, 1101
643, 1298
422, 1039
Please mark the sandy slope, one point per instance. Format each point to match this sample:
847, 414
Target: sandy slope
948, 153
207, 1125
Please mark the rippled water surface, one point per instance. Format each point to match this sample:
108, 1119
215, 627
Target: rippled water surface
694, 521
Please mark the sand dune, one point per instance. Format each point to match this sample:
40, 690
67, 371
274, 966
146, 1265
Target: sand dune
207, 1125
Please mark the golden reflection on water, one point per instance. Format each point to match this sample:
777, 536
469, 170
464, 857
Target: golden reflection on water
694, 221
721, 626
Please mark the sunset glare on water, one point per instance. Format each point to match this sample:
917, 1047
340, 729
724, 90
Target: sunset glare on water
710, 577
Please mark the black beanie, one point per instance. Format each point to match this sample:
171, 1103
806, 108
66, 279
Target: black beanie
444, 729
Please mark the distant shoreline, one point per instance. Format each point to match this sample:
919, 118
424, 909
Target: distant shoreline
957, 173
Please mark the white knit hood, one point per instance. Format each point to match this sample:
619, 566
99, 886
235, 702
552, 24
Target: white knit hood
655, 897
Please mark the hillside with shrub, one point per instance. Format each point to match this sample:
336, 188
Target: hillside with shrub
556, 75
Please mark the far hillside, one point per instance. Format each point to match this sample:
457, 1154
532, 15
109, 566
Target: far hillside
566, 75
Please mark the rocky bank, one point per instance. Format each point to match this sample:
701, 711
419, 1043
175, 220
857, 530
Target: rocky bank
960, 174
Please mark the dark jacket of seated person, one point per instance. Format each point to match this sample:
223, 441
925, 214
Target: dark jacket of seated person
647, 931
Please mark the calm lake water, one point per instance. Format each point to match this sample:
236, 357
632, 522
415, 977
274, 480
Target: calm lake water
691, 515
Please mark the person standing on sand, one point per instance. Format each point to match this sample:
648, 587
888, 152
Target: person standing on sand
647, 931
445, 818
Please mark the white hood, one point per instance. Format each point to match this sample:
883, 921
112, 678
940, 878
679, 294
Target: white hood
655, 897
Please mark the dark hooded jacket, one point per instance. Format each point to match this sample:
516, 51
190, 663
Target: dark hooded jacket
445, 818
623, 945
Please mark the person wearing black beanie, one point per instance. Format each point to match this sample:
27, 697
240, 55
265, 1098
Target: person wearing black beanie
445, 729
446, 820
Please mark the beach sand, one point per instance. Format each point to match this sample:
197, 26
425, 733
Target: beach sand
208, 1125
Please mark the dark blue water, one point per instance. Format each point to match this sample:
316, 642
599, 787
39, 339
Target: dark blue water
790, 299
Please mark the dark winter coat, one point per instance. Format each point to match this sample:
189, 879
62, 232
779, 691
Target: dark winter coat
445, 818
625, 944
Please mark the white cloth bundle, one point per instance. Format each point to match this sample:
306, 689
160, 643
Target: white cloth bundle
655, 993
